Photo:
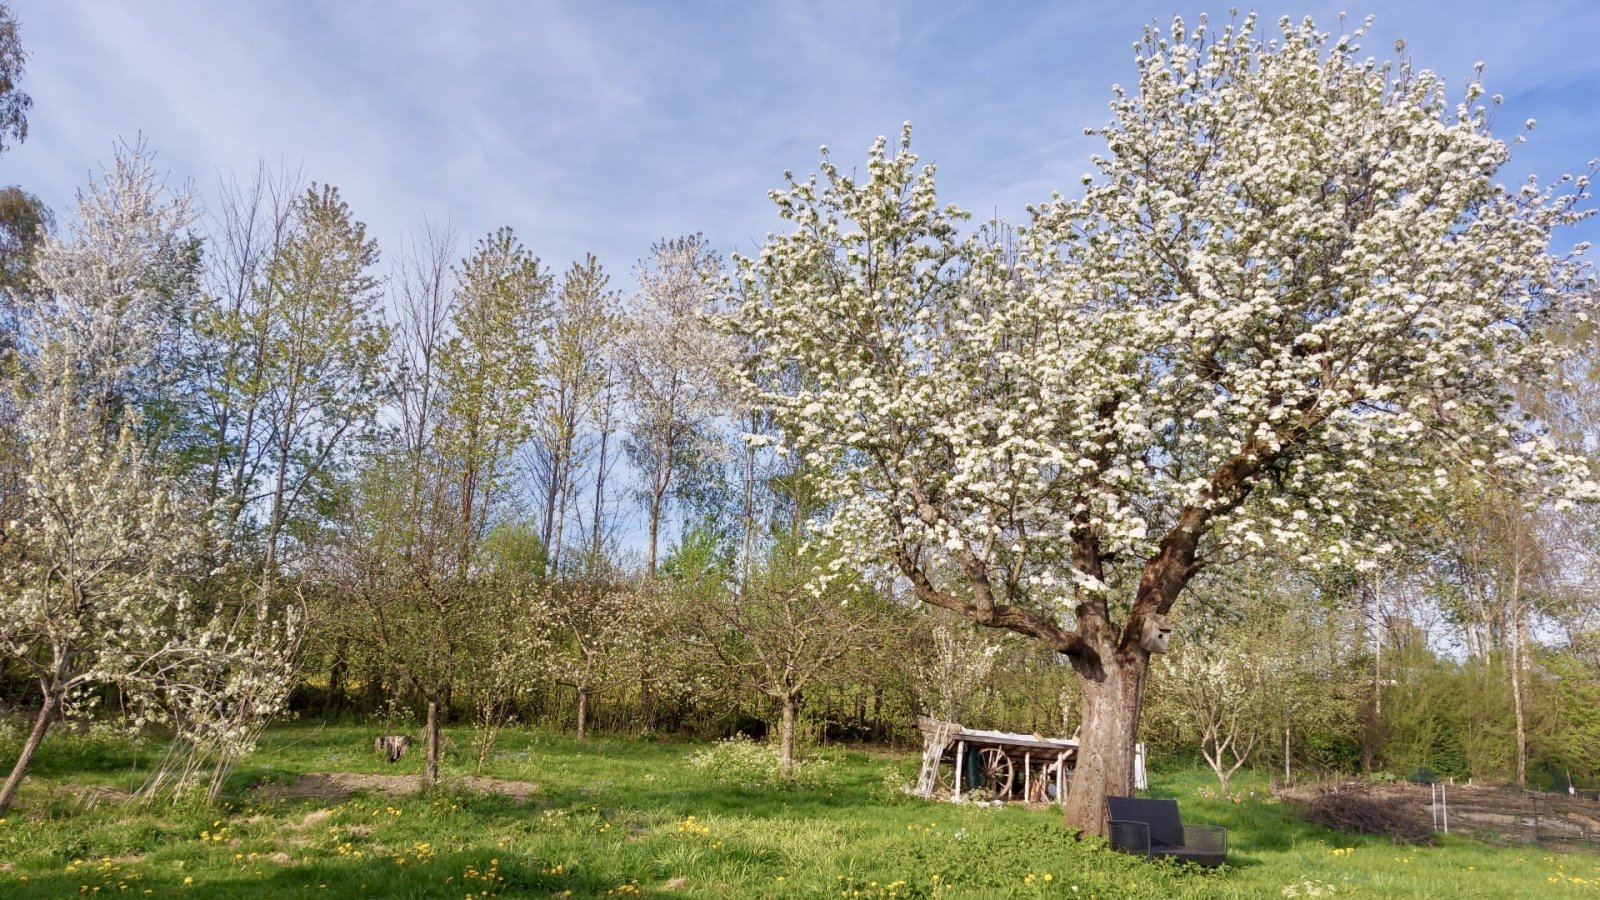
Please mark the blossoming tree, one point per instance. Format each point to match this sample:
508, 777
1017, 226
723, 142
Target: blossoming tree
1291, 287
102, 552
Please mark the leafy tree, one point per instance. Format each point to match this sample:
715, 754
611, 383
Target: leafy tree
14, 103
779, 635
24, 222
489, 372
670, 367
577, 375
1290, 288
593, 631
321, 347
102, 560
414, 532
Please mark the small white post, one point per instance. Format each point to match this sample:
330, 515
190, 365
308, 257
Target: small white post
1446, 803
1027, 775
1061, 778
960, 746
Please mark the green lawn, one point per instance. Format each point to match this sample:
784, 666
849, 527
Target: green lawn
622, 816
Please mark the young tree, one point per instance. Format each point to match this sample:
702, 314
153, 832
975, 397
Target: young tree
779, 635
415, 528
324, 347
1220, 690
98, 568
669, 368
1291, 288
99, 556
955, 661
577, 375
1498, 562
593, 630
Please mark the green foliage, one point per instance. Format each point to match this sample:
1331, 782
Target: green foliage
513, 550
14, 103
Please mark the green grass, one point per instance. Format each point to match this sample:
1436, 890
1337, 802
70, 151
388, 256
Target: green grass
612, 816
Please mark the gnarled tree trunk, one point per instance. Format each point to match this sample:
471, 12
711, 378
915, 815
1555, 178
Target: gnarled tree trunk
1112, 695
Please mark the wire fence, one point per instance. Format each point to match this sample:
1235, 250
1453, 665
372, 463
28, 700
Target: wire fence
1515, 815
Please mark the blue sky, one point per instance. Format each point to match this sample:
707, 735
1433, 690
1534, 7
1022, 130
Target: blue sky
603, 126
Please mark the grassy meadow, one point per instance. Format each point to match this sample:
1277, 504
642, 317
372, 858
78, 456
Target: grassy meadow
624, 816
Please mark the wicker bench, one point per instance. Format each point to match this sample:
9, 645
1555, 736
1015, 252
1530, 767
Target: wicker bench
1153, 828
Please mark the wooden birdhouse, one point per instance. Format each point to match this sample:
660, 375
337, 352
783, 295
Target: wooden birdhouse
1157, 633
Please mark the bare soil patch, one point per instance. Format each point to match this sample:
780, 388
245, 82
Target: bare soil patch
337, 786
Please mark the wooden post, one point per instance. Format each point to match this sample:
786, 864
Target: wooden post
1061, 778
960, 747
1027, 776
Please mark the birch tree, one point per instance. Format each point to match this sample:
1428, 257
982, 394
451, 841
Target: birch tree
668, 364
1291, 286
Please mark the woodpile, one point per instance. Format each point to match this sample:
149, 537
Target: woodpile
1355, 809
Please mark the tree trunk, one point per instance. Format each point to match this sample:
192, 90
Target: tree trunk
600, 498
583, 713
553, 549
1517, 704
334, 701
431, 738
657, 501
47, 714
1287, 775
747, 516
1112, 692
786, 739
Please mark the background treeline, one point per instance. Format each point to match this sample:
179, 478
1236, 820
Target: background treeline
458, 483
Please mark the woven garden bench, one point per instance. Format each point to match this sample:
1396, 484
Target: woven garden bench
1153, 828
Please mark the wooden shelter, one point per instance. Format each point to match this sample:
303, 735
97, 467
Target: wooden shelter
1002, 765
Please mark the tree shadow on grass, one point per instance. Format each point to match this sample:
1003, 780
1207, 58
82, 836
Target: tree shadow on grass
443, 876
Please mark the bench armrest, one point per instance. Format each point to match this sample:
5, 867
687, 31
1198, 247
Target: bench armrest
1130, 837
1209, 838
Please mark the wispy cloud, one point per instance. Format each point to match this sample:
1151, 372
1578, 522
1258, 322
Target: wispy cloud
605, 125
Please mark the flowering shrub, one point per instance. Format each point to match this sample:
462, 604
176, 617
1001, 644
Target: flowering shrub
741, 761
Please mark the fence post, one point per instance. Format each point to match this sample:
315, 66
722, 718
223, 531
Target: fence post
1445, 800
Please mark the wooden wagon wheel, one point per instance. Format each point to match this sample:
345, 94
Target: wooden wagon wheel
997, 771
